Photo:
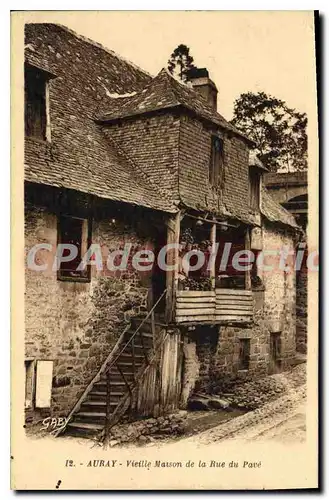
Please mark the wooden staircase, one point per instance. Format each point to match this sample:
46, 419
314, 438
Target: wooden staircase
109, 394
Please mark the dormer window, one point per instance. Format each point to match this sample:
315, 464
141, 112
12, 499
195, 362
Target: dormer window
216, 160
254, 187
36, 103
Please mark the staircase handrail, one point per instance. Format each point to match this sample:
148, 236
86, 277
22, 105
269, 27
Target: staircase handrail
114, 360
107, 363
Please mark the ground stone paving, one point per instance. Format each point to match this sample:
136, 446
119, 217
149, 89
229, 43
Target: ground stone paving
275, 412
254, 394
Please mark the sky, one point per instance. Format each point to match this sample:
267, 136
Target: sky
270, 51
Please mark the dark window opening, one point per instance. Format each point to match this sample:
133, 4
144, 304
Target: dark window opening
244, 355
275, 352
73, 231
256, 281
276, 347
216, 160
254, 269
35, 104
230, 242
254, 190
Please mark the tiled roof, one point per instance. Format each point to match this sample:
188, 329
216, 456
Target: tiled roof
274, 212
254, 161
105, 172
164, 92
79, 155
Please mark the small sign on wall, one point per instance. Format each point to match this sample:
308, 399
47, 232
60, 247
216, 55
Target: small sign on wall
256, 239
44, 377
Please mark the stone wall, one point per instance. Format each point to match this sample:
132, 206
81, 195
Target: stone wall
284, 186
76, 324
301, 309
274, 313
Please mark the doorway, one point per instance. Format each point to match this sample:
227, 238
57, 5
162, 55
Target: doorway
275, 353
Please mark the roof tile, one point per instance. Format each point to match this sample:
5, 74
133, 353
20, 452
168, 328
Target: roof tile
164, 91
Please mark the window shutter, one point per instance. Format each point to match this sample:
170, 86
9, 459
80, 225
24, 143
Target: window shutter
44, 379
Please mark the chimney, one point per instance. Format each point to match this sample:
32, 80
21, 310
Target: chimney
199, 78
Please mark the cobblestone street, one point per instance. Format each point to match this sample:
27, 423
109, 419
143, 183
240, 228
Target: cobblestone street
282, 419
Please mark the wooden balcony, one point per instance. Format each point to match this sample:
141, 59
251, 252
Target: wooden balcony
220, 306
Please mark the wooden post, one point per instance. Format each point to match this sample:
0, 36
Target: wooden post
247, 272
173, 233
213, 256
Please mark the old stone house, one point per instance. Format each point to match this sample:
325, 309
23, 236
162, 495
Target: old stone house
290, 189
115, 156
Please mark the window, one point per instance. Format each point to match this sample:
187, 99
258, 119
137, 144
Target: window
36, 102
254, 189
74, 231
256, 281
216, 160
276, 347
244, 355
38, 383
44, 379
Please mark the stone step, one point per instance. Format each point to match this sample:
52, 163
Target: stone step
83, 429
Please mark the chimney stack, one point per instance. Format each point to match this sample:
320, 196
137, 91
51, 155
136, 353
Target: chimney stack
199, 78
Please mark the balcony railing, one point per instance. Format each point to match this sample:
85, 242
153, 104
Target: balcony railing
223, 305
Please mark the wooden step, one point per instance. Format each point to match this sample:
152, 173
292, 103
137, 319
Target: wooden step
126, 370
147, 336
159, 322
122, 363
115, 374
137, 351
101, 390
97, 417
101, 407
146, 326
97, 395
116, 385
96, 404
117, 377
87, 414
102, 396
128, 355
